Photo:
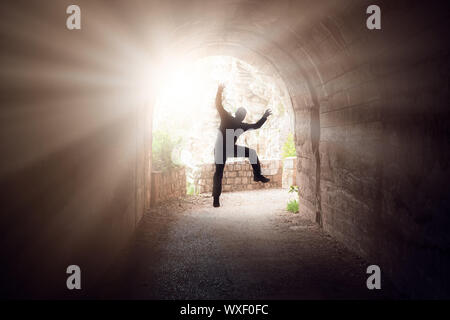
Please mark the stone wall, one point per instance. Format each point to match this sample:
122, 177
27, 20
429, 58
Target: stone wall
238, 176
75, 155
372, 140
289, 172
167, 185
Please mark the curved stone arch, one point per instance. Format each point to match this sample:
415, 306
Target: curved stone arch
198, 39
302, 92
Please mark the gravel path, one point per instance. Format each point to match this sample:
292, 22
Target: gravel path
250, 248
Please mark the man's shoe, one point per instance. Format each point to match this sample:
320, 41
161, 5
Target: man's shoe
261, 178
216, 202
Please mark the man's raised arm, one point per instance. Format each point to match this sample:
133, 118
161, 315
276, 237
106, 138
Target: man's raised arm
219, 105
260, 122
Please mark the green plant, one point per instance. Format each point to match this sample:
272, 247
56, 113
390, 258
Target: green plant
293, 189
162, 146
289, 147
190, 189
292, 206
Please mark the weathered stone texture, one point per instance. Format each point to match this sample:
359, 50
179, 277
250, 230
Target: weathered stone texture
238, 175
168, 185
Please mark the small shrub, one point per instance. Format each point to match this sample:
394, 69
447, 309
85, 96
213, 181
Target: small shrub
293, 189
162, 147
292, 206
190, 189
289, 147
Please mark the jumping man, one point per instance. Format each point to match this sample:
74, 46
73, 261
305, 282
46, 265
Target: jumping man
230, 129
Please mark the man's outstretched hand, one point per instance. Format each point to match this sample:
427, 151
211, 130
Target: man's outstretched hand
267, 113
221, 87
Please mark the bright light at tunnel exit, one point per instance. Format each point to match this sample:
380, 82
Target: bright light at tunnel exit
184, 83
185, 104
186, 95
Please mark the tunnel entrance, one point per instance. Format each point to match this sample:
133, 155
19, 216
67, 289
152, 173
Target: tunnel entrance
185, 122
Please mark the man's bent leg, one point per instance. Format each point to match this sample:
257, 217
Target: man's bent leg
217, 183
254, 161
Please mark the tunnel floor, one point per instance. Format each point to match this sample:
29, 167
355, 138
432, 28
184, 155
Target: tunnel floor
250, 248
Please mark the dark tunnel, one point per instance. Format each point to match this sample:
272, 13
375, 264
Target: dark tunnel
371, 112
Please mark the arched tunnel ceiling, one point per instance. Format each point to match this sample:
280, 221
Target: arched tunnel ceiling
300, 39
256, 27
245, 45
290, 38
281, 32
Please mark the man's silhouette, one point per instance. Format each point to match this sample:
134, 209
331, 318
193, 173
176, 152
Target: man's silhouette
230, 129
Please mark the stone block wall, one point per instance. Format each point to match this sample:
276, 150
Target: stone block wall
73, 166
289, 172
238, 176
168, 185
372, 139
